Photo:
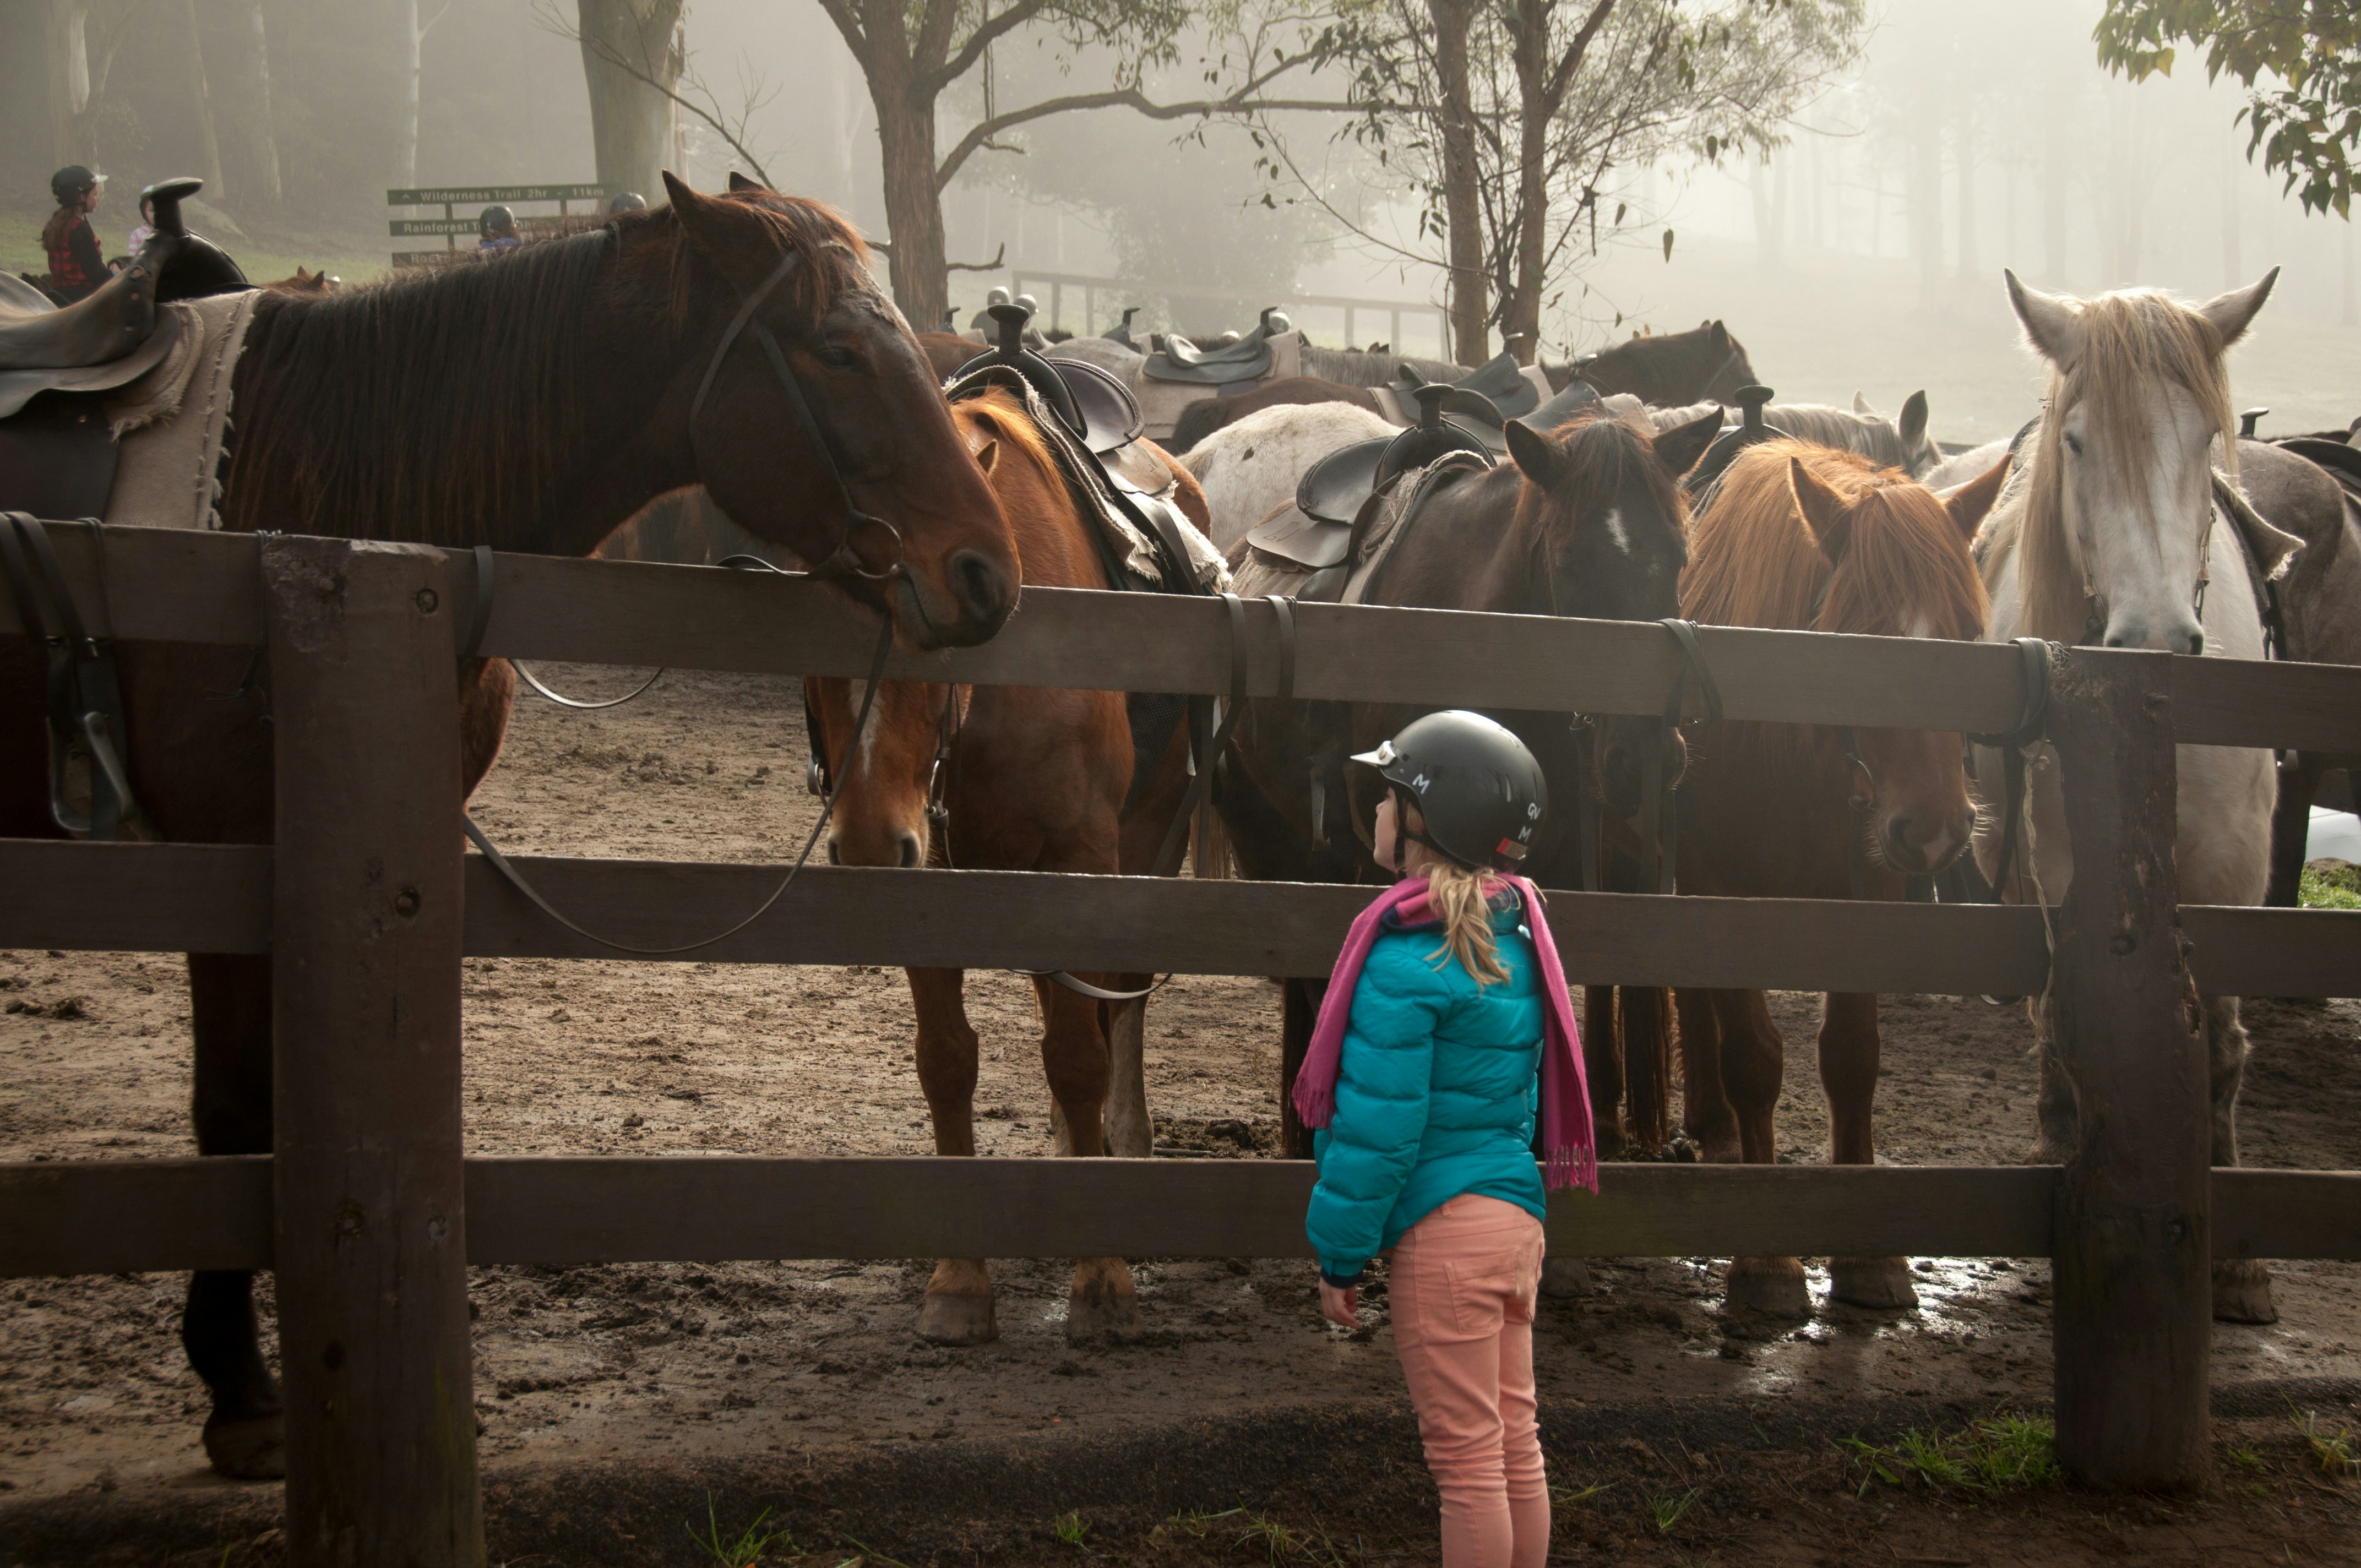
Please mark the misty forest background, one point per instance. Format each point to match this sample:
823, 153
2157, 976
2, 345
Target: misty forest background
1863, 253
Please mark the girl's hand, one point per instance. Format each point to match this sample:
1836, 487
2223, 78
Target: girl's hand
1340, 1304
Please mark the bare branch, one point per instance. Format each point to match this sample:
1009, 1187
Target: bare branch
999, 258
710, 111
989, 29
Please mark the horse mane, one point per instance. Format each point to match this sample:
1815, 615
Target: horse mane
1823, 424
438, 406
1605, 452
2133, 340
1355, 367
1753, 561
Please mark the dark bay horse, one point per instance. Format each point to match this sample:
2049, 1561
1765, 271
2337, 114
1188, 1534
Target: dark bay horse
1667, 369
530, 402
1803, 538
1584, 521
1030, 779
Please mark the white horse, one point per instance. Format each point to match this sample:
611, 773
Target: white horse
1249, 470
2099, 540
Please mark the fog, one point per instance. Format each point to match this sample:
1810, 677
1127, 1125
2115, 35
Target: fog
1864, 254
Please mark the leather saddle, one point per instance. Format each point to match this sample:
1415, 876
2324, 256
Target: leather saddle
1249, 359
1562, 406
2339, 459
1502, 381
117, 334
1099, 410
1317, 531
1733, 440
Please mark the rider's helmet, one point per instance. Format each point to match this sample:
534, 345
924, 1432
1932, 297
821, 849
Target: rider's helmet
496, 223
1479, 790
627, 201
73, 182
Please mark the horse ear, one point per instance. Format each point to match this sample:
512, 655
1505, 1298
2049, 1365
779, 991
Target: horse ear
727, 234
1680, 448
1825, 512
1913, 423
1538, 457
1720, 335
1970, 501
2233, 313
2053, 324
1861, 406
987, 455
740, 182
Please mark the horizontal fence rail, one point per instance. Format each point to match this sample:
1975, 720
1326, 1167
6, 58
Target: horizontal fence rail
171, 585
122, 1216
216, 899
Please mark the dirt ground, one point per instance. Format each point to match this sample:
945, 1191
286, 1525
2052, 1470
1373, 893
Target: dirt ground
805, 1376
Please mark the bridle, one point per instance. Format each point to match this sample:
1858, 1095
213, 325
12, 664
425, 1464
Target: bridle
844, 561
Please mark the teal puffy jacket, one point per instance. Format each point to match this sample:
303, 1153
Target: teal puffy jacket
1435, 1094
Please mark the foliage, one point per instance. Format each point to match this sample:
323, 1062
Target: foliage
1071, 1528
1568, 101
2300, 61
1665, 1512
2331, 1448
748, 1548
2006, 1453
2330, 884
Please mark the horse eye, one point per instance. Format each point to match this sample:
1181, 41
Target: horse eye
2074, 444
836, 359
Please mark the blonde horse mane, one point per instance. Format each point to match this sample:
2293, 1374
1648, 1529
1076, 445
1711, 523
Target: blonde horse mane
2133, 341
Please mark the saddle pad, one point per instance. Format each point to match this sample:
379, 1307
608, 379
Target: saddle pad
172, 422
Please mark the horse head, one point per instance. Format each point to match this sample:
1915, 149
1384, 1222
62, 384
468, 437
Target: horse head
815, 419
884, 783
1706, 363
2119, 502
1602, 526
1876, 554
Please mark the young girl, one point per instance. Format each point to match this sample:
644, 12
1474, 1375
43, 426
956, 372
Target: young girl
1445, 1008
77, 267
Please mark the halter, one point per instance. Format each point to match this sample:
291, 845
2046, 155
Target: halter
843, 560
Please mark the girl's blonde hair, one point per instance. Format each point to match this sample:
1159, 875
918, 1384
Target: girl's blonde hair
1463, 899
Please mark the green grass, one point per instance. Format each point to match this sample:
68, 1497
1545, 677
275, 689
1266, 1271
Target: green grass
748, 1548
2005, 1455
2330, 884
1071, 1528
1665, 1512
2332, 1449
1282, 1544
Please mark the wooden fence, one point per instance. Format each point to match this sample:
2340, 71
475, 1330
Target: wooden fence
369, 1213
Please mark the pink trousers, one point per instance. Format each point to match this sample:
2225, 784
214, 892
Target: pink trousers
1462, 1288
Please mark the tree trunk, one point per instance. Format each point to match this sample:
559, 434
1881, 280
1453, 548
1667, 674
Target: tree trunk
630, 121
266, 138
208, 144
2055, 163
2234, 269
1926, 207
1766, 221
1462, 195
405, 146
1965, 143
918, 266
1521, 317
66, 38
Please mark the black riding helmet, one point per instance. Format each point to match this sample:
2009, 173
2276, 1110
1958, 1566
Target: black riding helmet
627, 201
496, 221
1479, 790
73, 182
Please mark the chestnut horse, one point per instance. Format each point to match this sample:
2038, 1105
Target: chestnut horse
530, 402
1805, 538
1585, 520
1034, 780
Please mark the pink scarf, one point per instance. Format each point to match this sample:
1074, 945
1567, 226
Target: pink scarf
1569, 1151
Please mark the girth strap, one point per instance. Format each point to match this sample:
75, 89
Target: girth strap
84, 696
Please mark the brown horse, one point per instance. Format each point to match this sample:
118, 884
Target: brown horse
1587, 520
530, 402
1805, 538
1033, 780
1667, 369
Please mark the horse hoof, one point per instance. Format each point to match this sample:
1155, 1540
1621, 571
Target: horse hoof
254, 1449
2242, 1293
1880, 1283
1768, 1286
1099, 1314
957, 1319
1721, 1151
1564, 1277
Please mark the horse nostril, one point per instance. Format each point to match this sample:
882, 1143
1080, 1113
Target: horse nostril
979, 584
2196, 643
1898, 831
834, 858
910, 851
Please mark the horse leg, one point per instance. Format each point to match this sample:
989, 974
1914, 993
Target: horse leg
1706, 1113
229, 1014
2241, 1286
1602, 1064
1102, 1303
1299, 1011
2057, 1112
2290, 827
1645, 1015
1753, 1063
1849, 1051
1130, 1129
957, 1306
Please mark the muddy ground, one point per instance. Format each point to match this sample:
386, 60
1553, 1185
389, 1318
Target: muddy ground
611, 1394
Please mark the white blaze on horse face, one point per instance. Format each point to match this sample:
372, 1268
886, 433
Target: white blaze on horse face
1615, 526
2140, 537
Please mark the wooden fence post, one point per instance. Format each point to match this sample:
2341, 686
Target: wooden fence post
370, 1241
2133, 1322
